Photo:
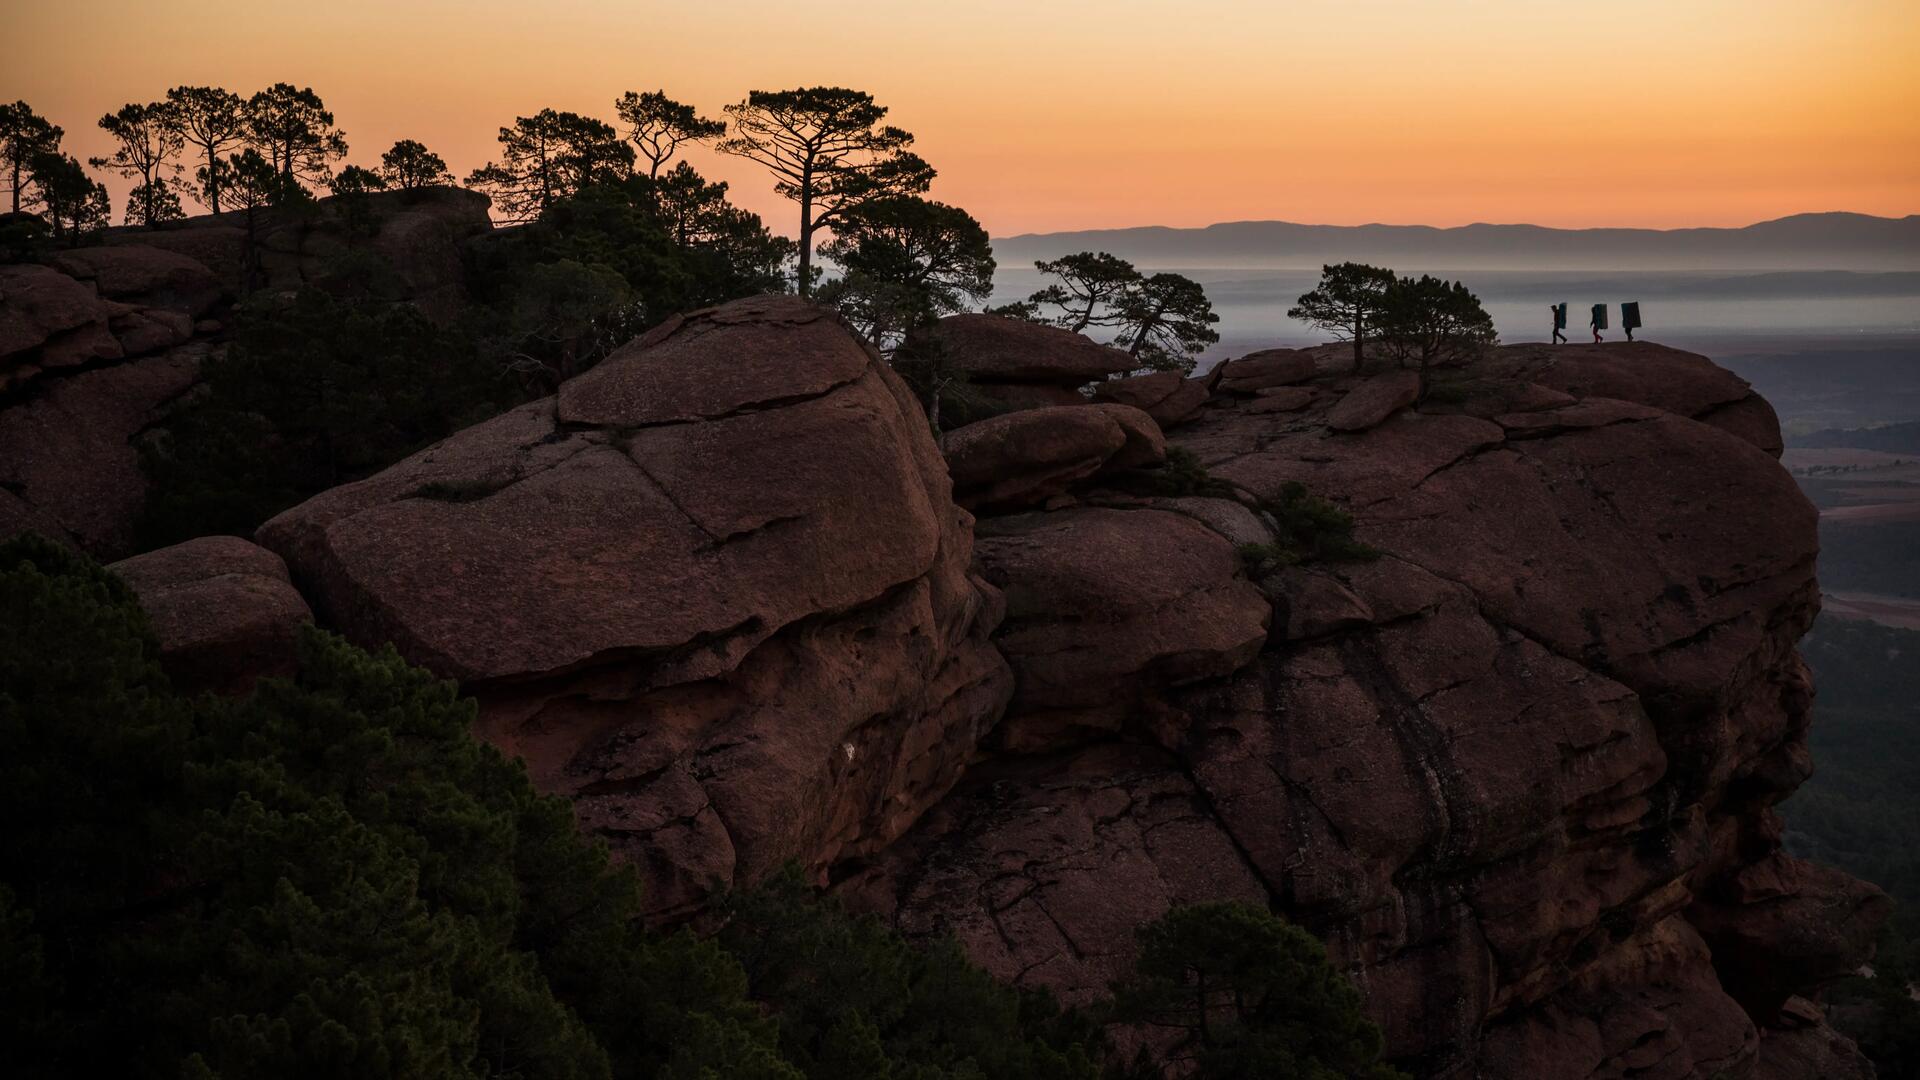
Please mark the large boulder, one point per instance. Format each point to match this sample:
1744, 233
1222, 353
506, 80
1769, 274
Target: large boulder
716, 590
992, 348
1025, 458
1168, 396
49, 320
1264, 369
223, 608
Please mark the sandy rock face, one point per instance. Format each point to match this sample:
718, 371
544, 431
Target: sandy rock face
223, 609
716, 590
1518, 771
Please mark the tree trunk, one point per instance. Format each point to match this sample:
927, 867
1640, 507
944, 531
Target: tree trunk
806, 234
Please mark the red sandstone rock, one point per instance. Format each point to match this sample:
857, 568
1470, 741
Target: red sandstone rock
1491, 768
50, 320
1105, 607
1166, 396
224, 611
144, 276
1264, 369
716, 591
1371, 402
996, 349
1279, 399
68, 450
1145, 445
1025, 458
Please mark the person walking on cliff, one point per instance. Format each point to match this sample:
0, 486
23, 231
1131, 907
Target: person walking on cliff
1559, 322
1630, 317
1598, 322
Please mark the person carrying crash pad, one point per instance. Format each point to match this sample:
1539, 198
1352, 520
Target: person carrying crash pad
1630, 317
1598, 322
1559, 322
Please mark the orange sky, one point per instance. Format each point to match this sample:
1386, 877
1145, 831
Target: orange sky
1059, 114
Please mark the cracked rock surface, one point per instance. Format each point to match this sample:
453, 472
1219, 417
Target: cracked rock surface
1518, 772
717, 590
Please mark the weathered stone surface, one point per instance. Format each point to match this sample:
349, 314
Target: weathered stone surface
49, 320
96, 346
1516, 771
68, 451
1232, 520
144, 276
223, 608
1025, 458
1318, 604
1804, 1045
1145, 445
1371, 402
1167, 396
1277, 399
1266, 368
716, 591
1105, 608
1021, 864
997, 349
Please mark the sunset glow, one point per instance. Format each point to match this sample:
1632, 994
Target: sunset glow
1061, 114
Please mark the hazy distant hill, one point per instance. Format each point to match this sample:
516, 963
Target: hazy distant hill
1890, 438
1803, 241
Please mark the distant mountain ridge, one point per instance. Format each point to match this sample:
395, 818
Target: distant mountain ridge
1903, 438
1835, 240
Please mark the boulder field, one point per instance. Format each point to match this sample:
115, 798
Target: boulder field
1518, 769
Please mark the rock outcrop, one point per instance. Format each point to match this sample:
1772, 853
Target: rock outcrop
1028, 457
1167, 396
99, 343
1106, 608
716, 590
1518, 770
1023, 365
224, 610
1265, 370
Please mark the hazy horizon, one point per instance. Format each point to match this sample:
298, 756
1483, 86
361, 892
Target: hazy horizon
1076, 115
